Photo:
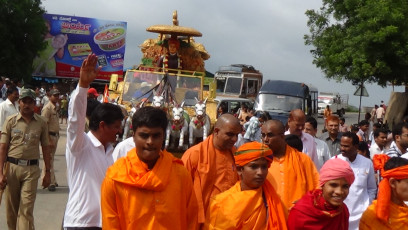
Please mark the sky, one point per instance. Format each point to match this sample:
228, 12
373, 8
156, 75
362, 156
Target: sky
265, 34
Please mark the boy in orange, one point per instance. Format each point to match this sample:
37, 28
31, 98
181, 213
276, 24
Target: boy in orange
252, 202
149, 188
389, 210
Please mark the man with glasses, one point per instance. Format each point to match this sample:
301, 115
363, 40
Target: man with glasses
292, 173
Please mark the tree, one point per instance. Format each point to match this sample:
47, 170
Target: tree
22, 30
361, 40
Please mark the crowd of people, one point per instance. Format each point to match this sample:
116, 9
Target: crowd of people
250, 173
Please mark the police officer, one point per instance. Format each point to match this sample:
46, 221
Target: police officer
50, 113
21, 136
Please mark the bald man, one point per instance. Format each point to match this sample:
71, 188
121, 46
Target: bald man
211, 162
296, 123
292, 173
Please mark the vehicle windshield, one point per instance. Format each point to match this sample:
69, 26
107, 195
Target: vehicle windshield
229, 85
139, 85
279, 103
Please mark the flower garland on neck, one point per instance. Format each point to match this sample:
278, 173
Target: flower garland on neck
166, 61
199, 123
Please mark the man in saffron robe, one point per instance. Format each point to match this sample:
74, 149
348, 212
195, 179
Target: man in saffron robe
323, 208
252, 202
389, 210
211, 163
148, 188
292, 173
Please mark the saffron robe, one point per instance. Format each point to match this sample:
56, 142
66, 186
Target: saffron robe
313, 213
398, 218
213, 171
293, 176
236, 209
134, 197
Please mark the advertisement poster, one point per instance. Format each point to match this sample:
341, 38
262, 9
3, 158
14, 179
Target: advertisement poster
69, 41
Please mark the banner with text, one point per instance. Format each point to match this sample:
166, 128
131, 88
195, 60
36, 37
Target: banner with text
69, 41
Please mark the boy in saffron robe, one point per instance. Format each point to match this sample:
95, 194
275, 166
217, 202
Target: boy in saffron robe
252, 202
149, 188
389, 210
323, 208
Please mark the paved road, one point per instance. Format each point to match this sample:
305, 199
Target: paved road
50, 206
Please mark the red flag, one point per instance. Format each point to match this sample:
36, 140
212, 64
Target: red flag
106, 95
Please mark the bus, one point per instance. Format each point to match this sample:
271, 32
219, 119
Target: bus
238, 80
278, 98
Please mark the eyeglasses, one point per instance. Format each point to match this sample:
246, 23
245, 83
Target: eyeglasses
270, 135
404, 135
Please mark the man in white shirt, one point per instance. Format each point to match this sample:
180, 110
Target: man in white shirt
10, 105
321, 147
380, 113
123, 148
88, 155
364, 189
296, 123
380, 140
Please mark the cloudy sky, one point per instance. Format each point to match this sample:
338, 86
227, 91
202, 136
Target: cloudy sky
266, 34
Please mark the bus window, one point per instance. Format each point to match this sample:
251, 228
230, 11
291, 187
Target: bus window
233, 85
221, 84
252, 86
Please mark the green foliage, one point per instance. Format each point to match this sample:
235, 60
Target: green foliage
22, 30
360, 40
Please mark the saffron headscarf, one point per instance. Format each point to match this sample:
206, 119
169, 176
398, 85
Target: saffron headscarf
252, 151
335, 169
384, 188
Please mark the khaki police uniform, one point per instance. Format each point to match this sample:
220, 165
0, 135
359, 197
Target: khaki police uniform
49, 113
23, 141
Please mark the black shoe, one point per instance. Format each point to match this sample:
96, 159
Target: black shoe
56, 184
51, 188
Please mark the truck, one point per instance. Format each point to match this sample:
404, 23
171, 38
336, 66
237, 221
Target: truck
278, 98
338, 103
238, 80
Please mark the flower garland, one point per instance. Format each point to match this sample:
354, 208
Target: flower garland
198, 123
166, 61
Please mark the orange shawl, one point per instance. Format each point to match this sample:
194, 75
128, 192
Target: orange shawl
236, 209
132, 196
200, 161
398, 218
300, 176
384, 188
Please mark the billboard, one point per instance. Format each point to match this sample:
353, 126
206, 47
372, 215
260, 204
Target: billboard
69, 41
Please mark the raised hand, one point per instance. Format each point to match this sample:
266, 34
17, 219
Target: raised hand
88, 71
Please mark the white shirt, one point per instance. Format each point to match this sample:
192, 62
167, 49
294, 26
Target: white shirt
363, 190
45, 100
374, 150
7, 108
123, 148
322, 150
309, 147
87, 162
380, 112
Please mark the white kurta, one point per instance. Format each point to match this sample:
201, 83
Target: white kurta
363, 190
123, 148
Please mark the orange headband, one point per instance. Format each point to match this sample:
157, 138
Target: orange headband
251, 151
384, 188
